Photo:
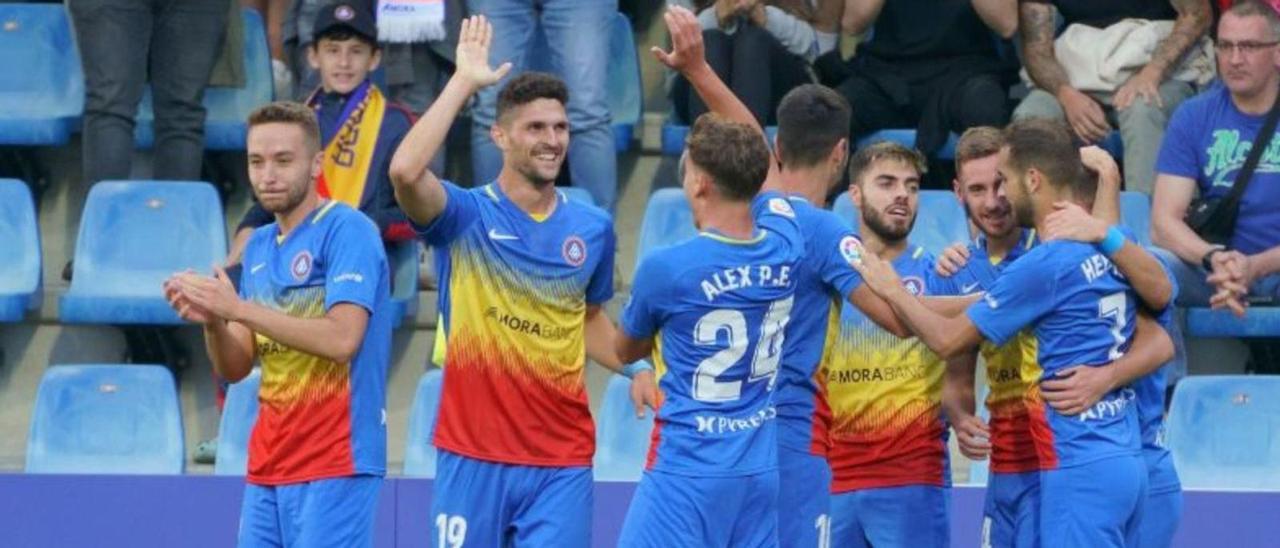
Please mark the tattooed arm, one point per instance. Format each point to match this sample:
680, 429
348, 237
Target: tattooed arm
1192, 23
1036, 22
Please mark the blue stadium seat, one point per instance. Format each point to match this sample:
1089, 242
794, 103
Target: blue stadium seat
940, 221
625, 91
419, 453
1224, 431
667, 221
1259, 321
578, 194
42, 86
404, 263
239, 413
1135, 214
227, 109
133, 236
20, 254
622, 440
106, 419
674, 135
907, 138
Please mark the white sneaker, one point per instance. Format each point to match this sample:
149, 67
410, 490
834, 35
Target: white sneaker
282, 79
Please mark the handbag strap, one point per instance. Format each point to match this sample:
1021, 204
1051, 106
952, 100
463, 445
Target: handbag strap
1260, 144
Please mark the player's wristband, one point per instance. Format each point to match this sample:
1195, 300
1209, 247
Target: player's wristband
629, 371
1112, 242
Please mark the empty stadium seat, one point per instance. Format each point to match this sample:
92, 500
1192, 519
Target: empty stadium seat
907, 138
42, 86
622, 440
1135, 214
940, 220
1224, 431
106, 419
578, 194
227, 109
239, 413
625, 91
403, 259
1258, 321
674, 135
134, 235
20, 253
667, 221
419, 453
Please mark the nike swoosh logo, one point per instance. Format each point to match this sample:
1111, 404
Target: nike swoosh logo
256, 268
968, 288
495, 235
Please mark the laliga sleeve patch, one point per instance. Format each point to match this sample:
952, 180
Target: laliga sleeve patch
851, 250
781, 207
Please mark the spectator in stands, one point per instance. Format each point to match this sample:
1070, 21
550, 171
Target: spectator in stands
273, 13
760, 48
577, 39
1109, 70
360, 127
929, 65
124, 44
1205, 147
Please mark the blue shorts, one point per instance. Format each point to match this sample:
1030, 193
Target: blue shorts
674, 510
329, 512
913, 515
480, 503
804, 500
1011, 512
1098, 504
1163, 509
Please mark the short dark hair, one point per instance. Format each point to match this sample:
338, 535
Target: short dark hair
1254, 8
341, 33
732, 153
977, 142
884, 150
1046, 145
529, 87
811, 120
289, 112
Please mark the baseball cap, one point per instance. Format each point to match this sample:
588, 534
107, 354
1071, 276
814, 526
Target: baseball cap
353, 15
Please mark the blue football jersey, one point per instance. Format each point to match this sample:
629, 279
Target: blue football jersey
824, 279
1151, 393
1082, 312
717, 309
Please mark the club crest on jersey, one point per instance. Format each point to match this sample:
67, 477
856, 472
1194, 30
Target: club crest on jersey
300, 266
574, 251
851, 250
914, 285
781, 207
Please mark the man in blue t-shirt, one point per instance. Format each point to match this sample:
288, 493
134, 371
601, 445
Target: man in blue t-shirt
1082, 311
1205, 147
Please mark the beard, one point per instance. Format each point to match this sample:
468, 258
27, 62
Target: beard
294, 196
977, 221
884, 229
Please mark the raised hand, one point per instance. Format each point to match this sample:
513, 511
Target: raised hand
182, 305
687, 51
209, 296
952, 259
472, 58
1069, 221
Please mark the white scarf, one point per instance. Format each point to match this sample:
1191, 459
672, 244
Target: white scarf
409, 21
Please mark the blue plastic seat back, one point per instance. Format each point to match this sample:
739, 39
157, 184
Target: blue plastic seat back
419, 453
1258, 321
405, 264
940, 220
134, 235
667, 221
578, 194
907, 138
674, 135
239, 414
106, 419
42, 86
622, 440
227, 109
1135, 214
1224, 431
20, 252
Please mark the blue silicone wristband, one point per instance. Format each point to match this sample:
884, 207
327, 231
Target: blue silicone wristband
1112, 242
629, 371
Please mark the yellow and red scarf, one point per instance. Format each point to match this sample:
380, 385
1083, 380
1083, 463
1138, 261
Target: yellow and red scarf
349, 154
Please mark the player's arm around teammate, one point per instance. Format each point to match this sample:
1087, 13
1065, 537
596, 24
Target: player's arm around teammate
1075, 390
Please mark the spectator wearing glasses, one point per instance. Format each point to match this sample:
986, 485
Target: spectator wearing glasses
1205, 148
1123, 64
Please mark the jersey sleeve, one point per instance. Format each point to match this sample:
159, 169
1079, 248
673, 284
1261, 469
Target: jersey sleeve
461, 208
600, 287
641, 317
1024, 293
838, 249
1178, 149
355, 262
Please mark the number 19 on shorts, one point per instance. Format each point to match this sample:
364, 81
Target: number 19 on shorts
451, 531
